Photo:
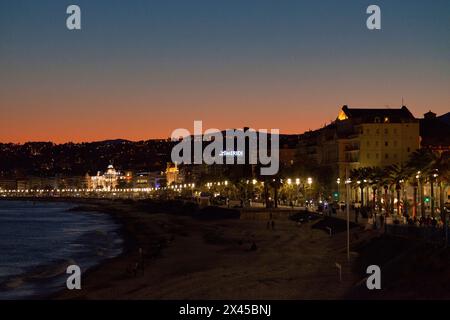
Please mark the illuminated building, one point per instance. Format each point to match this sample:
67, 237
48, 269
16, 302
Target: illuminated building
362, 138
155, 179
109, 180
172, 174
377, 137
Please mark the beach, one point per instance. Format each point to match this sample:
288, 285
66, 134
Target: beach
193, 254
187, 258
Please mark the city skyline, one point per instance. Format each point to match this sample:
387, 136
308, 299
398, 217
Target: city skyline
140, 72
191, 127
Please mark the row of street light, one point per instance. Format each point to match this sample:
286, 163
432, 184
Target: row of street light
289, 181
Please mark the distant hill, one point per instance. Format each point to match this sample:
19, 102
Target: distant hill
112, 141
49, 159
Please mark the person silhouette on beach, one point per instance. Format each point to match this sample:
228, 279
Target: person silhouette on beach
141, 259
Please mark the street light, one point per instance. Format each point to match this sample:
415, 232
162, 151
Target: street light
347, 207
338, 181
432, 192
309, 181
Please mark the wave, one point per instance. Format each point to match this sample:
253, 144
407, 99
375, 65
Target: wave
37, 274
36, 269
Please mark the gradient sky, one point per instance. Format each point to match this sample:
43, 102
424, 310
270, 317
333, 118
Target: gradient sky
139, 69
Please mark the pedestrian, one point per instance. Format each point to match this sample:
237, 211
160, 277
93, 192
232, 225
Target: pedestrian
273, 225
141, 259
433, 222
422, 221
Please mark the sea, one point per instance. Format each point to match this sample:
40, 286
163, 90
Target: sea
39, 240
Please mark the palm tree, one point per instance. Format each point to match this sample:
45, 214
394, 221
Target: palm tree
355, 175
376, 175
275, 183
385, 183
415, 186
442, 175
419, 162
397, 176
435, 167
360, 176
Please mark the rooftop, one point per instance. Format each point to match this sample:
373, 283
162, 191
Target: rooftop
370, 115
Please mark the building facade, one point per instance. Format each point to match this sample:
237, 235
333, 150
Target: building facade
362, 137
107, 181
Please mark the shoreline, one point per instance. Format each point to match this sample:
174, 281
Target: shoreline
185, 257
218, 243
79, 205
94, 205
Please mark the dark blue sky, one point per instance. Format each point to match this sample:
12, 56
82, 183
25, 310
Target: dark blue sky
139, 69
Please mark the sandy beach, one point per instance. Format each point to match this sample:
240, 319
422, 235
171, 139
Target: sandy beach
188, 258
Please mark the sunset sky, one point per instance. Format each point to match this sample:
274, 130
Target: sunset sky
140, 69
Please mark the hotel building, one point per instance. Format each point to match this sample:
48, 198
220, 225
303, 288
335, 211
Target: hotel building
362, 137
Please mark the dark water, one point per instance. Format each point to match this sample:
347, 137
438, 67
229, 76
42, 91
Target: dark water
39, 240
